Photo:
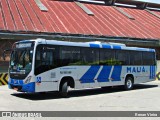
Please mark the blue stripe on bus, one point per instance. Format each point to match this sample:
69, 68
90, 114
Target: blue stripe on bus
104, 74
30, 87
116, 47
150, 76
106, 46
88, 77
152, 72
16, 81
116, 73
94, 45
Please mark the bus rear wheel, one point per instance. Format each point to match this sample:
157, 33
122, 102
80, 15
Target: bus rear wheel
128, 83
64, 89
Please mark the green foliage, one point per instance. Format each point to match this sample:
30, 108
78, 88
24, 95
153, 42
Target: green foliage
110, 62
104, 62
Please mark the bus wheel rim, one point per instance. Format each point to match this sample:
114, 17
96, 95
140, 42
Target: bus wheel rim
129, 83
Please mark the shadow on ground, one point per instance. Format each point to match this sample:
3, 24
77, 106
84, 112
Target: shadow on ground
78, 93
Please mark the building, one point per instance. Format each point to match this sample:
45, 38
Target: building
134, 23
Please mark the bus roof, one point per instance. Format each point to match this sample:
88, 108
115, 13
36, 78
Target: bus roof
95, 44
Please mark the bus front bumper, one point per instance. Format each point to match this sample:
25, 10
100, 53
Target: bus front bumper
18, 85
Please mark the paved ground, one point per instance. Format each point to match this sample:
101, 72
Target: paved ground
144, 97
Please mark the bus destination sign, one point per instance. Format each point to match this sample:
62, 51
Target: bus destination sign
23, 45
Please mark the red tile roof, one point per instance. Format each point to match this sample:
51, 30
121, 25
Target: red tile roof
66, 17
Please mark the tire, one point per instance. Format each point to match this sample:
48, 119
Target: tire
128, 83
64, 89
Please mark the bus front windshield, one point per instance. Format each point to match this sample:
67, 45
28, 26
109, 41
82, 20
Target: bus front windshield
20, 63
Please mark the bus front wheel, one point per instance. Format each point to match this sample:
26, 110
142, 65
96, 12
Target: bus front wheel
128, 83
64, 89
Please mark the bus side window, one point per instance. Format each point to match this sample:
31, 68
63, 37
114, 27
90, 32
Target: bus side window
90, 56
122, 57
107, 57
38, 59
47, 58
135, 58
149, 58
69, 55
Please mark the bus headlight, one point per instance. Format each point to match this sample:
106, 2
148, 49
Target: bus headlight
28, 80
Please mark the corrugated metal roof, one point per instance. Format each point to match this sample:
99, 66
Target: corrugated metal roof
68, 17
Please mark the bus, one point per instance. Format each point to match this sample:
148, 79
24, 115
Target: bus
48, 65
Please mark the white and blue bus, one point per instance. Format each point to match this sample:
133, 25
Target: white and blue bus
48, 65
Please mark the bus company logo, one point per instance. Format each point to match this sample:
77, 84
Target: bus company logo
6, 114
136, 69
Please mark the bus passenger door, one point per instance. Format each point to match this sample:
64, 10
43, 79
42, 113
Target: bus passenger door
44, 69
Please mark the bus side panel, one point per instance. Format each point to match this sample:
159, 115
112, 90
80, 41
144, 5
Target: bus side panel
99, 76
45, 82
85, 76
50, 80
141, 74
93, 76
73, 72
110, 76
